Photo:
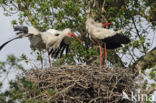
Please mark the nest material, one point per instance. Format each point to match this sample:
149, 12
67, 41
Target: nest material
80, 84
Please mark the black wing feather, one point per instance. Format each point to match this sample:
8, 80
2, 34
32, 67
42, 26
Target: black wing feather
8, 42
23, 29
112, 45
62, 51
67, 50
64, 45
58, 51
20, 29
115, 41
51, 51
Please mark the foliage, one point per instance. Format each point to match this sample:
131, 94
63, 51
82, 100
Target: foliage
60, 14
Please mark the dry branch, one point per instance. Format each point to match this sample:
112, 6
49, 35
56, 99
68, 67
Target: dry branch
146, 61
80, 84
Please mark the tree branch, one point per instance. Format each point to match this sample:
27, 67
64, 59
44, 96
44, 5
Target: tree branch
151, 90
146, 61
137, 31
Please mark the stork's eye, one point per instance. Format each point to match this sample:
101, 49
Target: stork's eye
57, 34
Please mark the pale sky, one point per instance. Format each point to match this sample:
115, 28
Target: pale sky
16, 47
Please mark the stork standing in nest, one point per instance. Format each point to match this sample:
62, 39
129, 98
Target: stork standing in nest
44, 40
109, 39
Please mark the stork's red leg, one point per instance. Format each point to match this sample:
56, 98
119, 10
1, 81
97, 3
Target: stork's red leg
49, 57
105, 55
41, 59
101, 55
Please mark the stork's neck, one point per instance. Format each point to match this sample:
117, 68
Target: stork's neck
89, 26
32, 30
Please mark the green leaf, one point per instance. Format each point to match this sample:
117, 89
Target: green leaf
153, 74
20, 67
136, 43
13, 22
2, 65
12, 60
23, 57
1, 1
142, 40
1, 84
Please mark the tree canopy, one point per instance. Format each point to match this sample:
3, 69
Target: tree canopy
136, 17
133, 16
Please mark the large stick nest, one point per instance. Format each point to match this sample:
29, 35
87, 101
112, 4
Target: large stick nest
79, 84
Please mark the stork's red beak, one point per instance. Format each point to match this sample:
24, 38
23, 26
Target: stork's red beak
107, 24
72, 34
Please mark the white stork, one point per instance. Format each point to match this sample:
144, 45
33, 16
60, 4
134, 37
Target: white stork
42, 40
63, 40
97, 24
104, 37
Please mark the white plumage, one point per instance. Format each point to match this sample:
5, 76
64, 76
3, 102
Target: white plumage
54, 37
96, 31
32, 30
35, 39
92, 21
42, 40
104, 37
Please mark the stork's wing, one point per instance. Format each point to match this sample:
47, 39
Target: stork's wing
112, 45
21, 32
101, 33
59, 52
18, 37
64, 46
54, 53
62, 50
8, 42
115, 41
23, 29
